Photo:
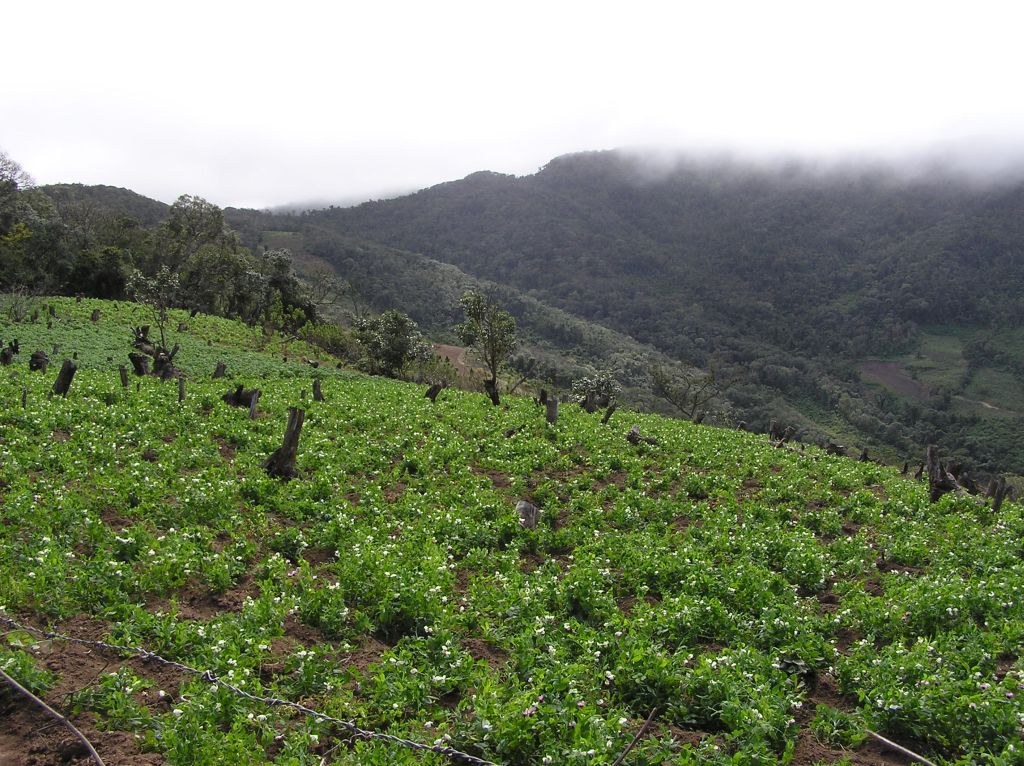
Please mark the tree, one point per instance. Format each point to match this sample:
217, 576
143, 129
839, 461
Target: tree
192, 222
689, 391
390, 342
596, 391
158, 294
13, 179
491, 332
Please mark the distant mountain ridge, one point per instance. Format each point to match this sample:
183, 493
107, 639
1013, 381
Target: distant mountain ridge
148, 212
789, 278
789, 273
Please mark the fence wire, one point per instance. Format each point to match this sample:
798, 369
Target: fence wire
355, 731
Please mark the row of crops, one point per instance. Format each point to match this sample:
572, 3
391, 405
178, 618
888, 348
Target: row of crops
770, 605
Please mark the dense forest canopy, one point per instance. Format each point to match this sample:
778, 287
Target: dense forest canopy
793, 274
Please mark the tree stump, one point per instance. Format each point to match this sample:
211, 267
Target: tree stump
182, 326
318, 394
6, 356
939, 480
433, 391
24, 397
608, 414
241, 397
552, 410
281, 462
95, 315
999, 490
221, 371
528, 514
39, 362
491, 387
124, 375
140, 362
64, 378
181, 389
252, 405
634, 437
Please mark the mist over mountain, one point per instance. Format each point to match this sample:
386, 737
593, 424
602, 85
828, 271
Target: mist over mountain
875, 304
843, 261
794, 273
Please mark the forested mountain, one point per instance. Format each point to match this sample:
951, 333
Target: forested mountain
791, 275
83, 201
859, 305
842, 262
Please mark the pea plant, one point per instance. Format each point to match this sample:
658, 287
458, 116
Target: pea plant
756, 599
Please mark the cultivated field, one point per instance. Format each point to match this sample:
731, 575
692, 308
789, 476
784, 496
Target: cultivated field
760, 605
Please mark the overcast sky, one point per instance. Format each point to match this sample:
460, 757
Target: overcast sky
259, 104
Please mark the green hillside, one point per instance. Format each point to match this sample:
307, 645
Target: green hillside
791, 276
760, 605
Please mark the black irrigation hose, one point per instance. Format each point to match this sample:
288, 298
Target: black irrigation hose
456, 755
63, 719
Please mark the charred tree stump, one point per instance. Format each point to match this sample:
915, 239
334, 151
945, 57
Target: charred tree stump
864, 457
999, 490
940, 481
589, 402
140, 363
39, 362
552, 410
95, 315
528, 514
124, 375
8, 352
181, 389
433, 391
240, 397
221, 371
906, 467
318, 394
281, 462
24, 397
778, 436
64, 378
634, 437
543, 398
254, 402
491, 387
608, 414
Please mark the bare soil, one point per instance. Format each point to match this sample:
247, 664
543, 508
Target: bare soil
894, 375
